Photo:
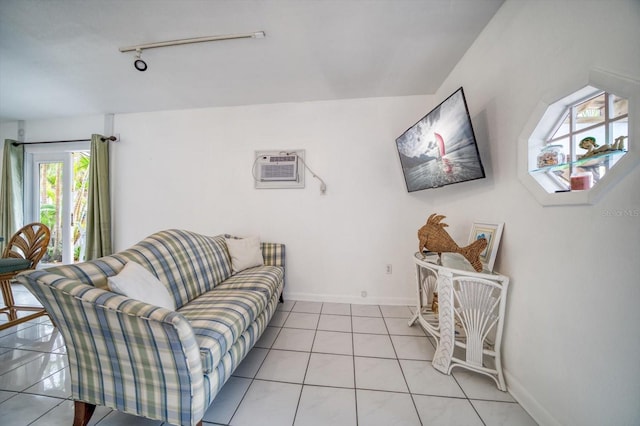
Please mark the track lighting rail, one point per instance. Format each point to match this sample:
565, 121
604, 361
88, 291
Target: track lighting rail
140, 47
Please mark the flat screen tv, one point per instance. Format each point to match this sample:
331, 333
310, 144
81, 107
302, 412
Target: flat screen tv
440, 149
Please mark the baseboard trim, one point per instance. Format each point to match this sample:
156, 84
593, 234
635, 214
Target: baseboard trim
528, 402
336, 298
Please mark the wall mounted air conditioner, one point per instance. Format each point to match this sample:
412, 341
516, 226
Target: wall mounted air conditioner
279, 169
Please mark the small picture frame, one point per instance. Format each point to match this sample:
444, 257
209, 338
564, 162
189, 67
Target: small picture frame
492, 232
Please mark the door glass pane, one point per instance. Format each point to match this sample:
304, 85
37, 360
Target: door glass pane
50, 190
79, 208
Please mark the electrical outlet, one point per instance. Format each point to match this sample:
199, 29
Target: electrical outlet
389, 268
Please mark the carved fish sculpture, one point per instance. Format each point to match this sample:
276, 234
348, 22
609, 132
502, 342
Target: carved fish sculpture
434, 238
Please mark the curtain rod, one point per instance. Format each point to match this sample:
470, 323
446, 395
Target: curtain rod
103, 139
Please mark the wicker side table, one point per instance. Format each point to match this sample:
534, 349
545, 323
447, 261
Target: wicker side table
469, 323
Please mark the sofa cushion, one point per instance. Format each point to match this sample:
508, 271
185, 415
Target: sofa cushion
244, 252
136, 282
263, 278
219, 317
189, 263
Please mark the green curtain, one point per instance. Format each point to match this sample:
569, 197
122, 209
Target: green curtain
12, 191
99, 203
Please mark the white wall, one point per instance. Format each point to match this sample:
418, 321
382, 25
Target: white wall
572, 343
192, 169
8, 130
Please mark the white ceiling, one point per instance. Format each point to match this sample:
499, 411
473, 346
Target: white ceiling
60, 57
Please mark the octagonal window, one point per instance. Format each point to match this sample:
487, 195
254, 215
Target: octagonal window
576, 148
588, 138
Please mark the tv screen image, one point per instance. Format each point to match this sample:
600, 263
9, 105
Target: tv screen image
440, 149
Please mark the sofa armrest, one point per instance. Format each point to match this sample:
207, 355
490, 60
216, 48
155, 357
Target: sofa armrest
123, 353
273, 254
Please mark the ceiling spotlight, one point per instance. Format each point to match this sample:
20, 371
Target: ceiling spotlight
139, 64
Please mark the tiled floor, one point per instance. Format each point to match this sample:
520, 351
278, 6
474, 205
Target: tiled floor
316, 364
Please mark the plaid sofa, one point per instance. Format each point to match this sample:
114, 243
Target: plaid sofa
147, 360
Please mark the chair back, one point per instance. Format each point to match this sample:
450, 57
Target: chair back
30, 242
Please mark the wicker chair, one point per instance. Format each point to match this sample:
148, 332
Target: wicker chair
22, 253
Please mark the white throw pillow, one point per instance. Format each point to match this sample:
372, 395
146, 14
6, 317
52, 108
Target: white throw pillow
136, 282
245, 253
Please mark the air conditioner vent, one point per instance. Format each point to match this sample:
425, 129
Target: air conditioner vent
278, 169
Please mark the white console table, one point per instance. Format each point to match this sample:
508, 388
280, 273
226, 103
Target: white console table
468, 325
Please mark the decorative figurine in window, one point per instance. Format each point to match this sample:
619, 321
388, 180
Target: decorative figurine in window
589, 143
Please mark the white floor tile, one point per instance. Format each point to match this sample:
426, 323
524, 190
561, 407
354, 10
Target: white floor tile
286, 305
479, 386
4, 395
322, 406
268, 337
284, 366
47, 342
395, 311
308, 307
268, 404
379, 374
399, 327
294, 339
251, 363
62, 415
14, 329
57, 385
13, 358
302, 320
369, 325
385, 408
413, 347
438, 411
365, 311
15, 337
334, 323
336, 308
422, 378
117, 418
333, 342
32, 372
502, 413
376, 345
391, 372
227, 400
23, 408
23, 297
330, 370
278, 319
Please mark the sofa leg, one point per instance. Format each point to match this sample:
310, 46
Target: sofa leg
281, 298
199, 423
82, 413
